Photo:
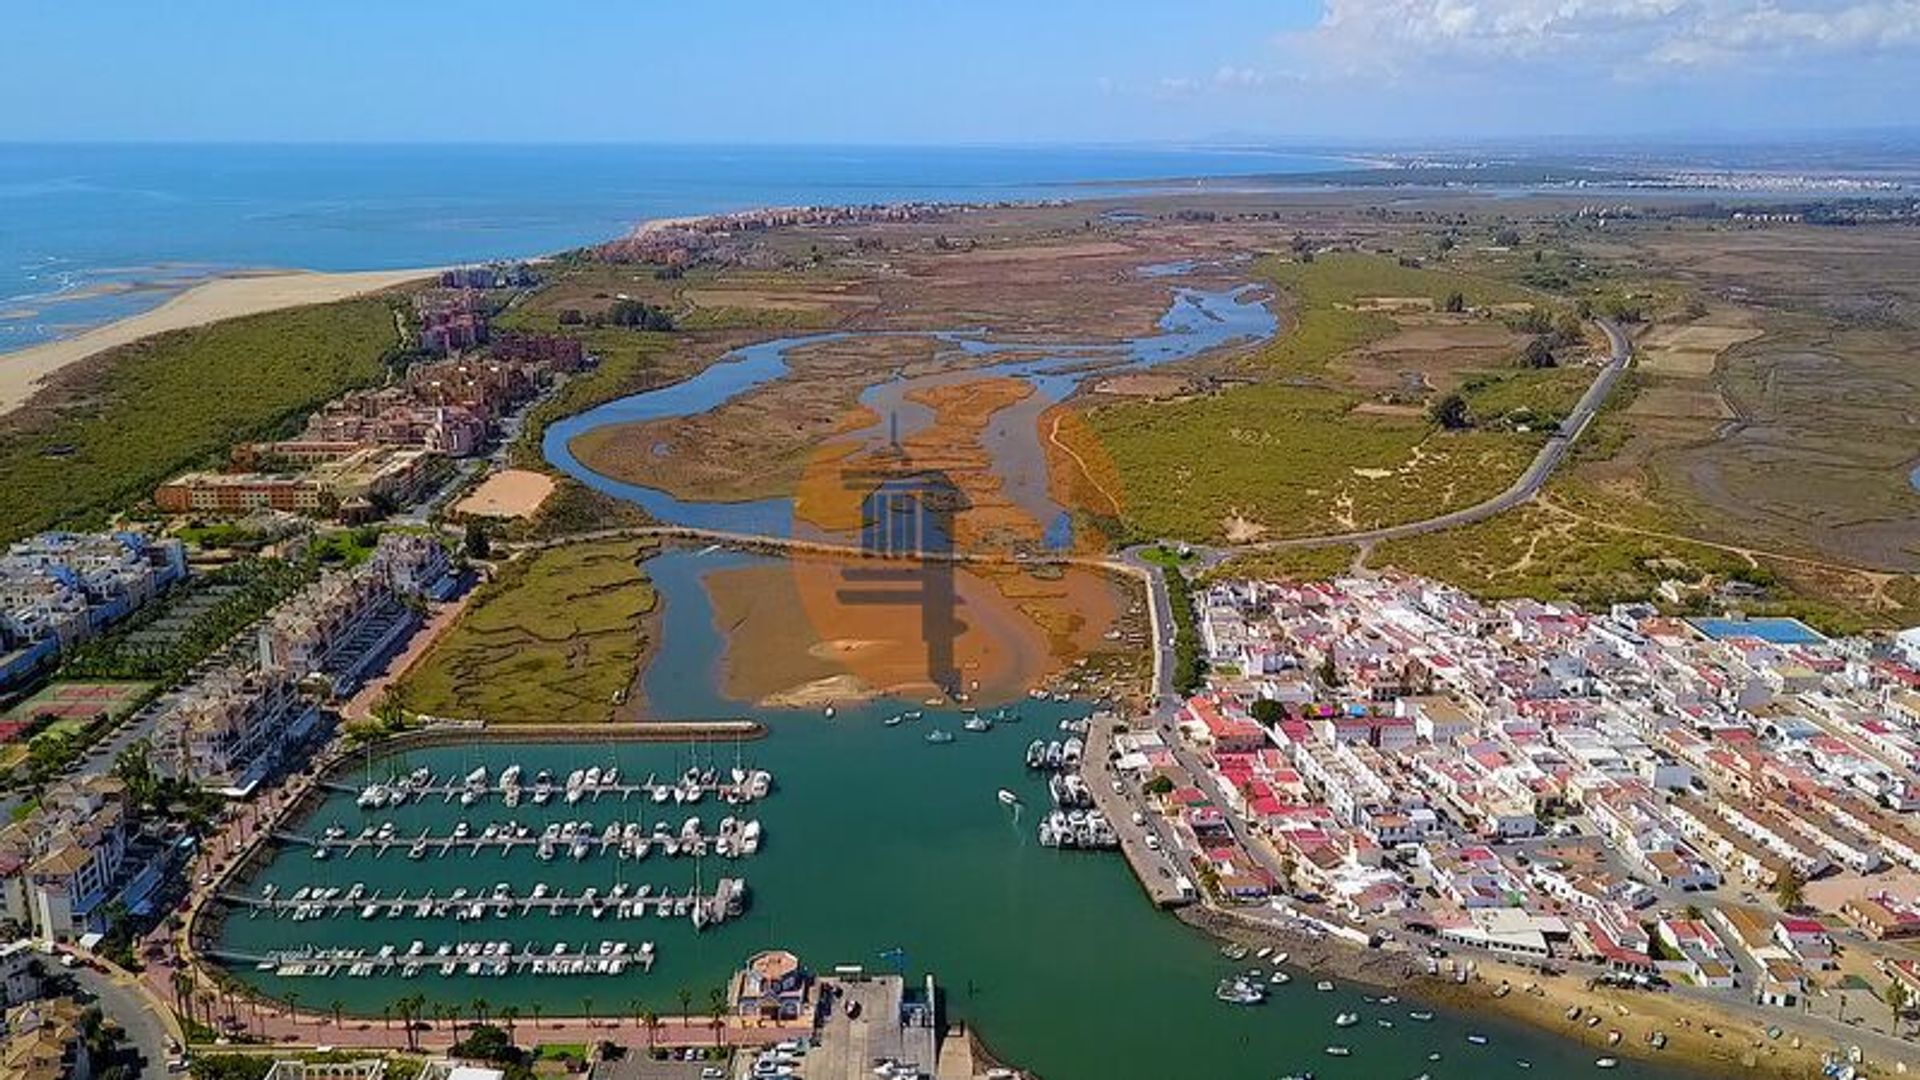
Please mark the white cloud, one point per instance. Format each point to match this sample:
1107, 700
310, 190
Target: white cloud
1392, 36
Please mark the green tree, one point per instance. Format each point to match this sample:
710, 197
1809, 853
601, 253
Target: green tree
1450, 412
1789, 890
1268, 711
1456, 302
478, 544
717, 1013
1897, 998
686, 1004
1538, 354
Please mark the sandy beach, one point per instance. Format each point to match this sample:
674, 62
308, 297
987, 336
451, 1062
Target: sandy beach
222, 298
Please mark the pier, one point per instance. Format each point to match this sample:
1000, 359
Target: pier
469, 958
734, 787
1158, 873
726, 901
731, 841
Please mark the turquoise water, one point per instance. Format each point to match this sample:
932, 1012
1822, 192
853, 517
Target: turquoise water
875, 841
86, 221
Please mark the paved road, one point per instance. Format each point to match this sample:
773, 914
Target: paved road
127, 1005
1526, 487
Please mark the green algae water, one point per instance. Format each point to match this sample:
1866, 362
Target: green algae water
880, 849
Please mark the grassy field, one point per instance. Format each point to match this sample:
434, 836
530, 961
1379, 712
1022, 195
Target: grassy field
1295, 457
1274, 460
106, 433
1534, 399
554, 638
1331, 303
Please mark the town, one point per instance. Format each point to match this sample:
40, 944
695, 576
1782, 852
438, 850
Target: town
1720, 803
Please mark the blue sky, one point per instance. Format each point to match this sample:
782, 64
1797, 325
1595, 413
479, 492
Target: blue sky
967, 71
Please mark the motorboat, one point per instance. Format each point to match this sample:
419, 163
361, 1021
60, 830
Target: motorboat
938, 735
1009, 798
1239, 991
1346, 1020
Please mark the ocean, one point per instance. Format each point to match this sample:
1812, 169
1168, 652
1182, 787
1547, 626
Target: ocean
93, 233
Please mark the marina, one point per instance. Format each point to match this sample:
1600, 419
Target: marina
883, 843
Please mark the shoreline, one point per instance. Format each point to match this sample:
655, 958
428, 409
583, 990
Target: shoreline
24, 371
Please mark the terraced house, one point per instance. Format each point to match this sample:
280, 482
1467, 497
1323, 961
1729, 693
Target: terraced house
64, 862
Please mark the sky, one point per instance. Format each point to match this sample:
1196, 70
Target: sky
962, 71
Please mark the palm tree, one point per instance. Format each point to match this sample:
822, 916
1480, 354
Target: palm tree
479, 1010
386, 1016
536, 1016
1897, 1000
717, 1013
686, 1005
508, 1014
293, 1006
652, 1021
586, 1009
337, 1007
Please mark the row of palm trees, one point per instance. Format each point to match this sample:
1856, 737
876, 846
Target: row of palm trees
198, 1005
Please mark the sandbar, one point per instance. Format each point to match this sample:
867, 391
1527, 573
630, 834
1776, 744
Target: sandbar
21, 372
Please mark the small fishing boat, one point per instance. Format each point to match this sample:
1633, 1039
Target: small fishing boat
1009, 797
1339, 1051
1346, 1020
1421, 1015
1606, 1063
893, 721
1234, 951
938, 735
1323, 986
1477, 1040
1239, 991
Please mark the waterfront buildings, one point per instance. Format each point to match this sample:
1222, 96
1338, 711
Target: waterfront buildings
70, 857
233, 724
59, 589
1538, 781
772, 986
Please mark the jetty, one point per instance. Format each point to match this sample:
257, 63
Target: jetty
727, 900
514, 785
731, 839
494, 958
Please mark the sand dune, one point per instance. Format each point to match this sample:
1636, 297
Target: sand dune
222, 298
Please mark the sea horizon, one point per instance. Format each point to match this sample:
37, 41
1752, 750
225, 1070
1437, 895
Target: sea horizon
118, 228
